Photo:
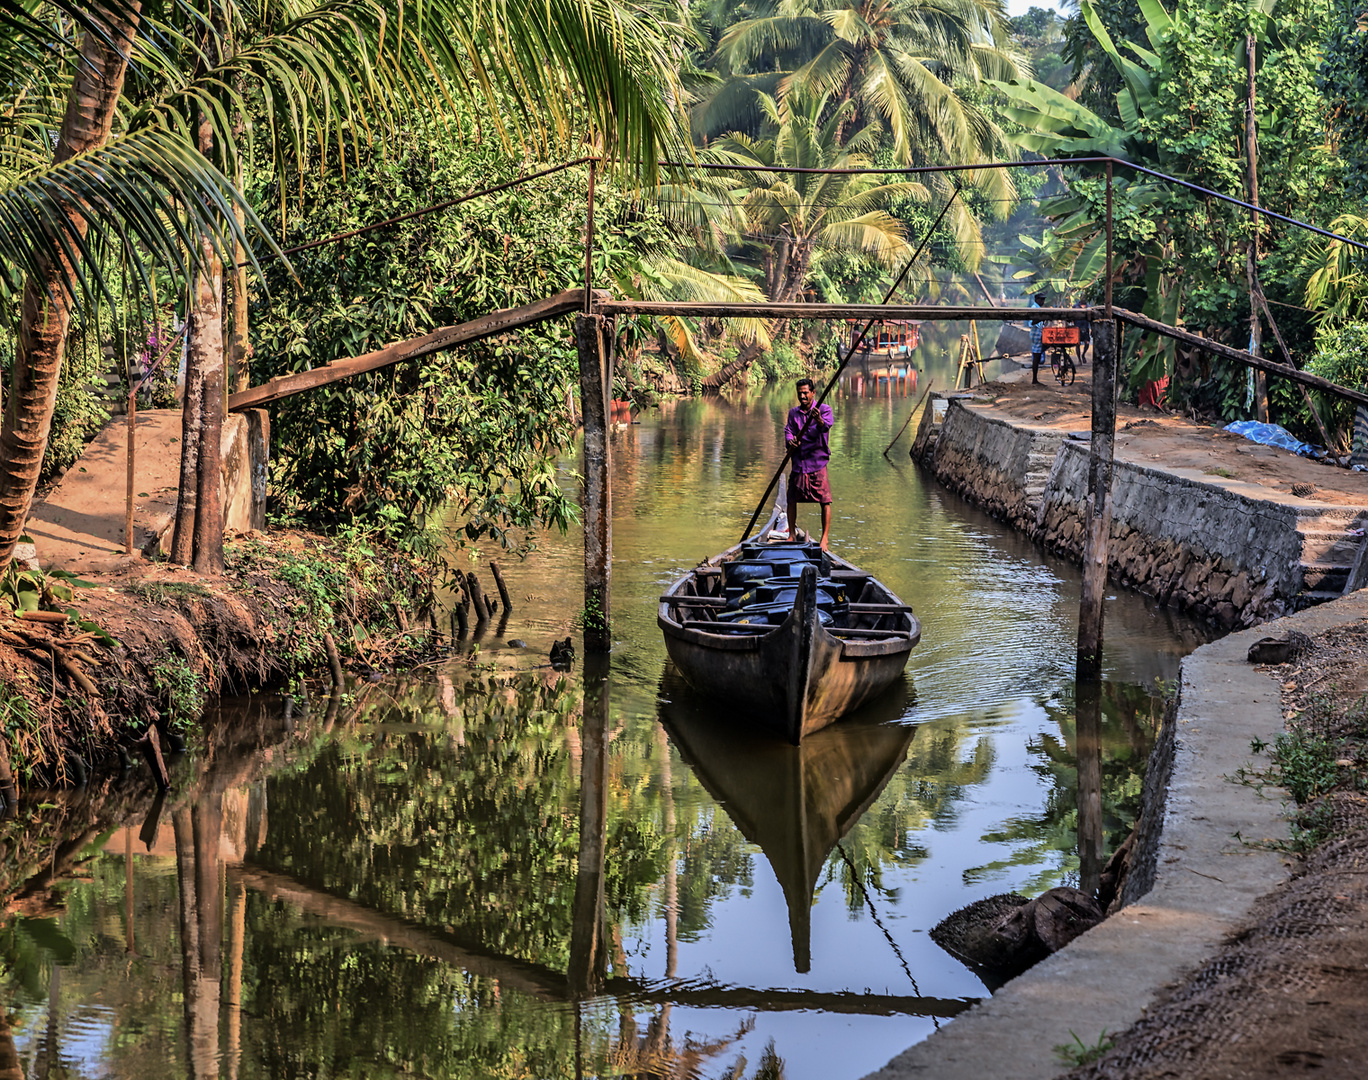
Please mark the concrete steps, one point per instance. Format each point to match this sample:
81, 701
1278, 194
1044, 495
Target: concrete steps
1039, 462
1330, 544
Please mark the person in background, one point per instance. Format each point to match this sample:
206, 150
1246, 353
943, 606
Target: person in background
1084, 335
810, 447
1037, 329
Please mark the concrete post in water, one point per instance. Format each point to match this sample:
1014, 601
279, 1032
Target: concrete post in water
598, 505
1098, 521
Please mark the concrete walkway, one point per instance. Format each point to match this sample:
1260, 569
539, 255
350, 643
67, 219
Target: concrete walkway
1205, 883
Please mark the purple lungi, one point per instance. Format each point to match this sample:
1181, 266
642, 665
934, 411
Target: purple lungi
810, 487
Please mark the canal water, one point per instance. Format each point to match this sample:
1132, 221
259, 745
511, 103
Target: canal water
407, 883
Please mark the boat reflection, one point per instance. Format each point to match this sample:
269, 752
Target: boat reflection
793, 802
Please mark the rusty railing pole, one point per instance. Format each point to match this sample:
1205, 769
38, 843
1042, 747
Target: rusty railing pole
1097, 522
128, 500
589, 240
598, 502
1110, 236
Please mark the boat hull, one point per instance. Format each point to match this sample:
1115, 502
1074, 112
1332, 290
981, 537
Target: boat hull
797, 678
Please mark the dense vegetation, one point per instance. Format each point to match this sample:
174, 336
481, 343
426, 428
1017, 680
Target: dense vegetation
317, 125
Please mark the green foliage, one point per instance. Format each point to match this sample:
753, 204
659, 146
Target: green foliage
1078, 1053
470, 435
780, 362
21, 726
1344, 81
1305, 765
1313, 758
900, 64
1180, 110
1342, 357
181, 689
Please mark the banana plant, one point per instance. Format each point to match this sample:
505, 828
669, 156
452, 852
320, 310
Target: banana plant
1157, 260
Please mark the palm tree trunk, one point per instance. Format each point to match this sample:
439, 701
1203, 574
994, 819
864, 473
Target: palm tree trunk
744, 359
209, 466
46, 311
198, 534
776, 290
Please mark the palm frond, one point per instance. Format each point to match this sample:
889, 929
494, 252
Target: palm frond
148, 189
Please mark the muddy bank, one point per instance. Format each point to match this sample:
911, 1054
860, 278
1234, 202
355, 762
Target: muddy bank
154, 642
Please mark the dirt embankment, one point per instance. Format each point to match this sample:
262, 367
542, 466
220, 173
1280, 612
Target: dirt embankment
155, 641
1287, 993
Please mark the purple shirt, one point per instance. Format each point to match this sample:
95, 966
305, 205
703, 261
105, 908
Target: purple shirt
814, 451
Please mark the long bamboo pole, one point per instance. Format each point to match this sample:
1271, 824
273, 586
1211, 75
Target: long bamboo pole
929, 383
814, 411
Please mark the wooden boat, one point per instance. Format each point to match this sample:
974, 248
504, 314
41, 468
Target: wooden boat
793, 802
792, 636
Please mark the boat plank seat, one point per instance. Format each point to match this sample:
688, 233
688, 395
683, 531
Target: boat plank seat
738, 629
851, 631
695, 601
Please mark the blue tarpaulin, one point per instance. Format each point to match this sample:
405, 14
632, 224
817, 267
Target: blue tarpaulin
1273, 435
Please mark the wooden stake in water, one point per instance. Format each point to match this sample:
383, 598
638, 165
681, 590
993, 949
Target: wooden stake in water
503, 589
598, 505
477, 599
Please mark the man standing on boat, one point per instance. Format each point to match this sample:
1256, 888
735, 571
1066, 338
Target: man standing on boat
806, 435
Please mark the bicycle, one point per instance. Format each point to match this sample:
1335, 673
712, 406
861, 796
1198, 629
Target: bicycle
1063, 338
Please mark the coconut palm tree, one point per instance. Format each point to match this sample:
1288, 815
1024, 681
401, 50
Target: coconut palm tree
563, 72
70, 188
899, 61
790, 216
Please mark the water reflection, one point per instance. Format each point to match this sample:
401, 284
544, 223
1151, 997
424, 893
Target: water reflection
1088, 767
476, 872
794, 803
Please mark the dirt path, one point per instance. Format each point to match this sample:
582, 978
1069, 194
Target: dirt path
1150, 437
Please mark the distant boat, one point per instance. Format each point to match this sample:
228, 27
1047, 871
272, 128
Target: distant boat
889, 339
793, 802
792, 636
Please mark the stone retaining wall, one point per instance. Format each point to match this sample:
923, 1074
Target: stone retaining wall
988, 461
1196, 546
1193, 545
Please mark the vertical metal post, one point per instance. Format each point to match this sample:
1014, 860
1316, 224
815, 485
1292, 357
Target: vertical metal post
1097, 523
598, 505
1109, 241
589, 241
